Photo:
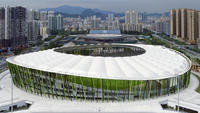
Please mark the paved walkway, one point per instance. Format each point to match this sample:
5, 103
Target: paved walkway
44, 104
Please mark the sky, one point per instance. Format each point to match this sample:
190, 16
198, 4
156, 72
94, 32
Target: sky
151, 6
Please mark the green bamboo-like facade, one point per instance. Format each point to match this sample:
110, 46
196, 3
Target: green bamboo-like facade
55, 85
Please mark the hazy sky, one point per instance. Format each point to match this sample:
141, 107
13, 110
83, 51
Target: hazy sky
113, 5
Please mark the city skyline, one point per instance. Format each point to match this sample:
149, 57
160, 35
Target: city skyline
119, 6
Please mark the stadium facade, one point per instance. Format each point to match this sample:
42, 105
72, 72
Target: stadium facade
105, 36
117, 72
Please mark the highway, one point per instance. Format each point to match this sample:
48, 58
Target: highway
190, 53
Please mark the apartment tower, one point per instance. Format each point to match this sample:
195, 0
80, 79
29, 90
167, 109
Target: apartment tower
184, 24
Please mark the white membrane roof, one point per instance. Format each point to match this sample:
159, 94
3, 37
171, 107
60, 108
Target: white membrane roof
156, 63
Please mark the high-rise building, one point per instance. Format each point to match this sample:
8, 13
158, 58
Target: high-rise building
199, 25
43, 16
172, 22
192, 25
131, 17
36, 15
110, 17
184, 24
59, 21
51, 13
33, 30
33, 24
161, 25
131, 21
52, 24
55, 22
144, 17
2, 27
178, 22
18, 27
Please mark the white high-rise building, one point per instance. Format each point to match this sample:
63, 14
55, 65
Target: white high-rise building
131, 17
51, 13
43, 16
110, 17
131, 22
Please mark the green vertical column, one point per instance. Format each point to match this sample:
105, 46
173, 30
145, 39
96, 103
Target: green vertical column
130, 87
149, 95
21, 79
12, 73
98, 85
83, 88
117, 90
24, 74
94, 88
75, 88
38, 83
72, 86
34, 81
169, 82
47, 83
28, 79
187, 78
55, 84
161, 93
155, 87
140, 89
107, 90
66, 81
63, 84
31, 80
134, 90
17, 77
102, 90
182, 76
58, 84
52, 94
42, 82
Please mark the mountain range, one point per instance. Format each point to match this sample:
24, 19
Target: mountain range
76, 11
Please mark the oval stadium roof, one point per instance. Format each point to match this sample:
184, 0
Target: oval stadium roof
156, 63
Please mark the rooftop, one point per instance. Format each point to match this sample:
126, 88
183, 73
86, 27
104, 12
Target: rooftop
105, 32
156, 63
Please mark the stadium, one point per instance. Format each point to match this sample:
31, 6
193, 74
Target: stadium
103, 36
114, 72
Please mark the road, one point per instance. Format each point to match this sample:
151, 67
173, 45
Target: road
190, 53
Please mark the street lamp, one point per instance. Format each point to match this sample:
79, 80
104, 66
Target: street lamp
178, 94
11, 95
